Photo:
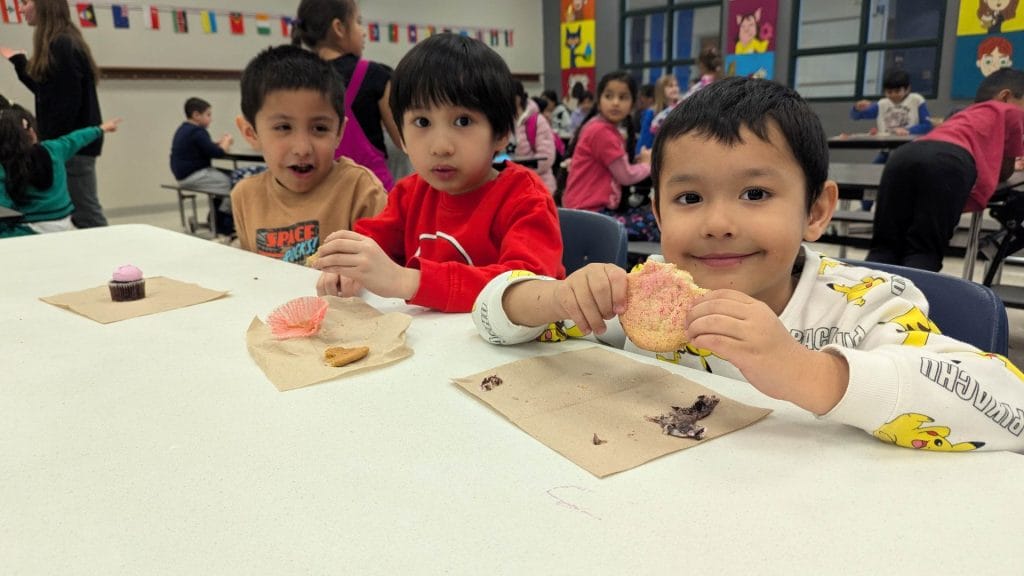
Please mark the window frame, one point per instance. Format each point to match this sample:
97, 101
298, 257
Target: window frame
861, 49
669, 9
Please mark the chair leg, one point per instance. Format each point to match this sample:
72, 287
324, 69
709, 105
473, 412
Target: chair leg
181, 208
972, 245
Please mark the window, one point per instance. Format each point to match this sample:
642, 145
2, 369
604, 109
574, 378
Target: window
841, 50
666, 36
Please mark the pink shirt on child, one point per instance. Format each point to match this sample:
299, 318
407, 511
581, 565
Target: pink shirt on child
990, 131
591, 184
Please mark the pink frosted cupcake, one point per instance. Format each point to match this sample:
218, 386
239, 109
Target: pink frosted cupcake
127, 284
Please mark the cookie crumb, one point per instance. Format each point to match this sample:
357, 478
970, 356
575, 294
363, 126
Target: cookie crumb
597, 441
682, 422
490, 382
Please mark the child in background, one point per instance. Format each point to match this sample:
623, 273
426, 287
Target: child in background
831, 338
33, 177
955, 168
534, 136
901, 112
710, 64
584, 105
458, 222
561, 116
192, 149
666, 96
644, 100
601, 162
293, 111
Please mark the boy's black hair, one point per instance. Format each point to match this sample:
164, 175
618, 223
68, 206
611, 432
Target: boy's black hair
453, 70
541, 103
550, 95
895, 79
4, 102
721, 109
1002, 79
195, 106
289, 68
647, 91
518, 90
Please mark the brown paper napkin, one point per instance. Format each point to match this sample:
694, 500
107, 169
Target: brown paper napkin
565, 399
299, 362
162, 294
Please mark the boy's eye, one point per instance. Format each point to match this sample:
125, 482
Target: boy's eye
754, 194
688, 198
282, 127
463, 121
420, 122
322, 128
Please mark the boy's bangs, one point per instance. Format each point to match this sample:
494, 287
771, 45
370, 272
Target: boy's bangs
436, 90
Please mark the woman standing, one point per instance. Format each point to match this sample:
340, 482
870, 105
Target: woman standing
334, 29
62, 75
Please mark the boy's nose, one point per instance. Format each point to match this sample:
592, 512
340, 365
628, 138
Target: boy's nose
717, 221
441, 146
302, 145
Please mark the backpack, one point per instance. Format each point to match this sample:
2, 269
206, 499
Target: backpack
531, 136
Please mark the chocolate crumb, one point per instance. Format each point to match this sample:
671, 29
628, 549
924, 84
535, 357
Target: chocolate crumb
682, 422
490, 382
597, 441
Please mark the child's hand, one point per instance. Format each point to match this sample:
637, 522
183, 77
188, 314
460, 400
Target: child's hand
591, 295
747, 333
862, 105
901, 131
361, 259
9, 53
110, 125
225, 142
336, 285
644, 157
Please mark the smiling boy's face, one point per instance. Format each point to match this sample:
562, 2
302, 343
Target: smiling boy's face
297, 131
735, 216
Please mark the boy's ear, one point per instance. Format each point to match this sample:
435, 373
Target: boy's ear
1003, 95
821, 211
341, 131
248, 131
499, 144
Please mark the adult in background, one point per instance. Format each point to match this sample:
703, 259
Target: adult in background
334, 30
62, 75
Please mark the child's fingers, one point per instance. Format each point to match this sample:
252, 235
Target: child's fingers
343, 234
328, 285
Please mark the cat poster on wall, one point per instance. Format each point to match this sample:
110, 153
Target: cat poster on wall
988, 34
750, 38
577, 32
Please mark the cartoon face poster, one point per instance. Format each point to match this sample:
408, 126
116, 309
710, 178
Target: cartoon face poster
750, 38
989, 32
576, 10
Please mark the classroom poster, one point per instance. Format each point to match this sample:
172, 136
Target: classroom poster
750, 38
988, 34
577, 34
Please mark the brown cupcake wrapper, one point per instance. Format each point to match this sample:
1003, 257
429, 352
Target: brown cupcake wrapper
127, 291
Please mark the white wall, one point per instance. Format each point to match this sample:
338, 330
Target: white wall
135, 159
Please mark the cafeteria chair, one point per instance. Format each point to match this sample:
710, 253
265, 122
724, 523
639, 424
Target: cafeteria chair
962, 309
591, 237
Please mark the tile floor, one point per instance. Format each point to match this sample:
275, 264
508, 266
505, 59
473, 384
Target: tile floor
1012, 275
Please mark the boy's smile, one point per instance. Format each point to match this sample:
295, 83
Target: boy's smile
735, 216
297, 131
451, 147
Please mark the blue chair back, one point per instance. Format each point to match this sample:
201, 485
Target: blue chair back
591, 237
965, 310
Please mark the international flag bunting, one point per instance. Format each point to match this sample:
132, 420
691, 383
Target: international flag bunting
412, 33
86, 15
494, 37
263, 24
393, 33
120, 12
286, 26
180, 22
237, 23
208, 20
11, 11
508, 38
431, 30
151, 16
480, 34
373, 31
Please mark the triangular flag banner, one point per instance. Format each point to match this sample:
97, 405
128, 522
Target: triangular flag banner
120, 12
180, 22
412, 34
286, 26
11, 11
237, 23
208, 20
151, 16
86, 16
263, 24
373, 31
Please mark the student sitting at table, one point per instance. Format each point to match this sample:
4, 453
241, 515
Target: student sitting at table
192, 150
602, 163
457, 222
741, 174
928, 183
534, 136
901, 112
293, 111
33, 179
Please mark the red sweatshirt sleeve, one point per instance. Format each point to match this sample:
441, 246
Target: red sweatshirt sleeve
388, 228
